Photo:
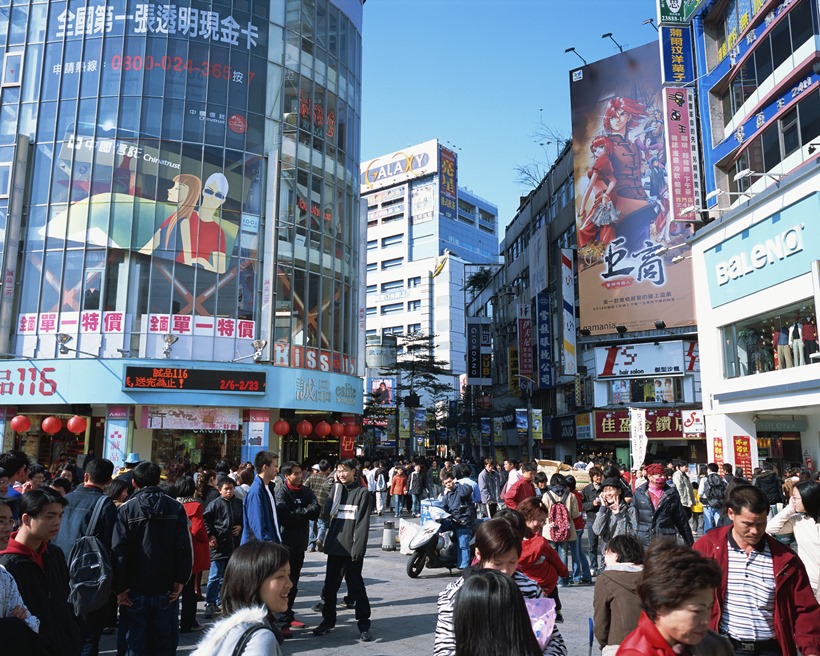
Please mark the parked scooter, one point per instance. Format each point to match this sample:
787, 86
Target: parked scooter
432, 547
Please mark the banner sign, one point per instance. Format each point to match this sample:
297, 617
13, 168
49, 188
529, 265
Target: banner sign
569, 358
524, 340
626, 273
743, 455
404, 423
544, 339
521, 422
537, 425
614, 425
693, 423
189, 418
479, 351
717, 451
677, 11
486, 430
677, 55
637, 435
583, 426
643, 360
682, 152
448, 185
513, 381
498, 430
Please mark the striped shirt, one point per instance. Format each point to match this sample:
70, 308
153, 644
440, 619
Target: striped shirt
748, 607
445, 642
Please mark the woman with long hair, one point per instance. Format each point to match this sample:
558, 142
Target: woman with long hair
257, 583
202, 554
801, 516
185, 193
206, 487
491, 618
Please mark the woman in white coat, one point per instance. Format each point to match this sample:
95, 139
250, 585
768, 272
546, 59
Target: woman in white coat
801, 516
257, 583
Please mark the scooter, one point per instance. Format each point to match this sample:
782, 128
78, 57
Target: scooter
431, 547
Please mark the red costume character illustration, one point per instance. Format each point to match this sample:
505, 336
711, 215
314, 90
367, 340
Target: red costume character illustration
597, 223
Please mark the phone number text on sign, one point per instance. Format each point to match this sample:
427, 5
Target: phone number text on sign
180, 65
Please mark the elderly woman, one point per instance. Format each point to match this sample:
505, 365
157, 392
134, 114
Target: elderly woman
677, 590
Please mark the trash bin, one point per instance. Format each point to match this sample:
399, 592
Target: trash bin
388, 536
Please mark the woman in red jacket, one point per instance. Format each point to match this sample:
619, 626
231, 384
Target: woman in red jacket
202, 555
677, 591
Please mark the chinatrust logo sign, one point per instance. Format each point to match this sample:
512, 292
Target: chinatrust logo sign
768, 253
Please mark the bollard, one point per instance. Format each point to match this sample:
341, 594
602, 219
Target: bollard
388, 537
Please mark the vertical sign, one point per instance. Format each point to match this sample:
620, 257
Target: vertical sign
743, 455
256, 433
498, 430
717, 451
521, 422
677, 56
116, 435
404, 423
513, 382
524, 339
637, 434
537, 425
682, 152
568, 302
543, 339
486, 431
448, 185
479, 351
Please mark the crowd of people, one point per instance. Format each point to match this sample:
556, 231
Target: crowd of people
674, 558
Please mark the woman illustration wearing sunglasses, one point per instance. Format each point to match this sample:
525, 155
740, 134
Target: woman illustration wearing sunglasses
203, 239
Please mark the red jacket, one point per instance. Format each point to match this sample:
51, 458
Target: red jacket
520, 490
797, 615
540, 562
199, 536
646, 640
579, 520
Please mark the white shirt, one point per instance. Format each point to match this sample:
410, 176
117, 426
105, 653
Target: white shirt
273, 510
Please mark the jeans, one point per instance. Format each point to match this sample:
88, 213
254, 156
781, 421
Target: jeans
580, 566
594, 548
416, 504
150, 625
563, 549
215, 576
344, 567
463, 535
710, 518
318, 530
398, 504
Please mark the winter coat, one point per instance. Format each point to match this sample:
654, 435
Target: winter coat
771, 485
489, 485
222, 637
221, 516
540, 562
417, 482
796, 613
297, 507
553, 494
45, 593
609, 524
616, 605
398, 485
258, 522
683, 484
77, 514
807, 533
349, 526
199, 536
517, 492
151, 545
646, 640
667, 520
589, 494
459, 503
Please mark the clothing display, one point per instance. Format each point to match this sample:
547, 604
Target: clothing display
796, 342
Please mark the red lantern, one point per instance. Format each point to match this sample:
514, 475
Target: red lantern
357, 430
77, 424
322, 429
51, 425
20, 423
304, 428
352, 430
337, 429
281, 428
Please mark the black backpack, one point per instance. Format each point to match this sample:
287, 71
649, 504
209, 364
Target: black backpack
89, 569
714, 494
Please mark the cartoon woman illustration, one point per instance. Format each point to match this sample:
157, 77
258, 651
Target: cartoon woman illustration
597, 223
203, 238
185, 193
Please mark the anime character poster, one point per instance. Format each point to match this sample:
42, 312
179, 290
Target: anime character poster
630, 268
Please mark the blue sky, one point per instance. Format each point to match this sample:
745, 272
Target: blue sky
481, 74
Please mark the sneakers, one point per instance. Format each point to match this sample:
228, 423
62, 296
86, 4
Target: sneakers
210, 609
318, 607
296, 624
559, 618
365, 636
324, 627
347, 603
320, 545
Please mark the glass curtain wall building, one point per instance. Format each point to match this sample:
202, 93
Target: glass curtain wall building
182, 181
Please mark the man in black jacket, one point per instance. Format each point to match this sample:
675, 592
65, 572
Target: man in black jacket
348, 510
40, 571
77, 514
296, 506
152, 561
771, 485
223, 521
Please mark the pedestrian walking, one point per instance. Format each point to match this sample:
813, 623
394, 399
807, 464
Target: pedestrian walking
489, 487
223, 524
259, 518
457, 499
659, 510
522, 489
615, 517
317, 482
591, 505
712, 493
771, 485
380, 483
131, 461
185, 490
417, 484
560, 529
683, 484
580, 566
398, 488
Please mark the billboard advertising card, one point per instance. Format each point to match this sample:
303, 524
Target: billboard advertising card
448, 183
626, 271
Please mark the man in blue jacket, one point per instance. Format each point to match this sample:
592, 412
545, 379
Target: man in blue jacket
457, 499
259, 507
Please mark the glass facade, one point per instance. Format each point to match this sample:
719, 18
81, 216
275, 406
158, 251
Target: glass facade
193, 171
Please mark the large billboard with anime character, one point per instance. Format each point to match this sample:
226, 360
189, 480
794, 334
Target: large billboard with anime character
632, 265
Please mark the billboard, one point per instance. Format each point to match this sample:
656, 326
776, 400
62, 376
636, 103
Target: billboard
677, 11
479, 351
400, 166
626, 271
382, 390
448, 183
682, 152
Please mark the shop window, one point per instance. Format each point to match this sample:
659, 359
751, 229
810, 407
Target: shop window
779, 339
668, 389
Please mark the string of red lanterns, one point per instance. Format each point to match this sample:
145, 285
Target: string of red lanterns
321, 429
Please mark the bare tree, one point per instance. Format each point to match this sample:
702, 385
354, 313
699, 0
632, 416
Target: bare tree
531, 174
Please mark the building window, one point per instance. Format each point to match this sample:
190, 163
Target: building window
372, 289
414, 282
372, 332
370, 312
413, 328
5, 179
13, 69
646, 390
372, 244
392, 264
392, 308
412, 306
371, 266
393, 240
392, 330
392, 286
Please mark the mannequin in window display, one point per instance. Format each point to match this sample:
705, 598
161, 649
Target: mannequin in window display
780, 339
809, 338
796, 343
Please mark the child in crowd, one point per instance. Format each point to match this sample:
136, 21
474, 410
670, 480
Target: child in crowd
223, 521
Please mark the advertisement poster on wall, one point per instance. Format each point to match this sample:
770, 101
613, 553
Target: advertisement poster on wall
625, 233
743, 454
717, 451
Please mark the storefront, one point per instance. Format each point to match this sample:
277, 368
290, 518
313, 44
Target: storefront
758, 287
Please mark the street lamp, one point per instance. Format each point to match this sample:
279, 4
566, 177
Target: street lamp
530, 390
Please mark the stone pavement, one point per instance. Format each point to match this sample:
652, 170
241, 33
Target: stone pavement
403, 610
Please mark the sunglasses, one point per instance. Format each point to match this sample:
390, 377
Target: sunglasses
211, 192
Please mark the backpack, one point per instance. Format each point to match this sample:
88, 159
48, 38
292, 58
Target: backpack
714, 494
89, 569
558, 520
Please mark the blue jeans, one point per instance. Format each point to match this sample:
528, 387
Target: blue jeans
580, 566
416, 504
563, 549
595, 559
318, 529
215, 577
463, 535
398, 504
710, 518
150, 626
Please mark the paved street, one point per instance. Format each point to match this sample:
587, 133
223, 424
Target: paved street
404, 610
